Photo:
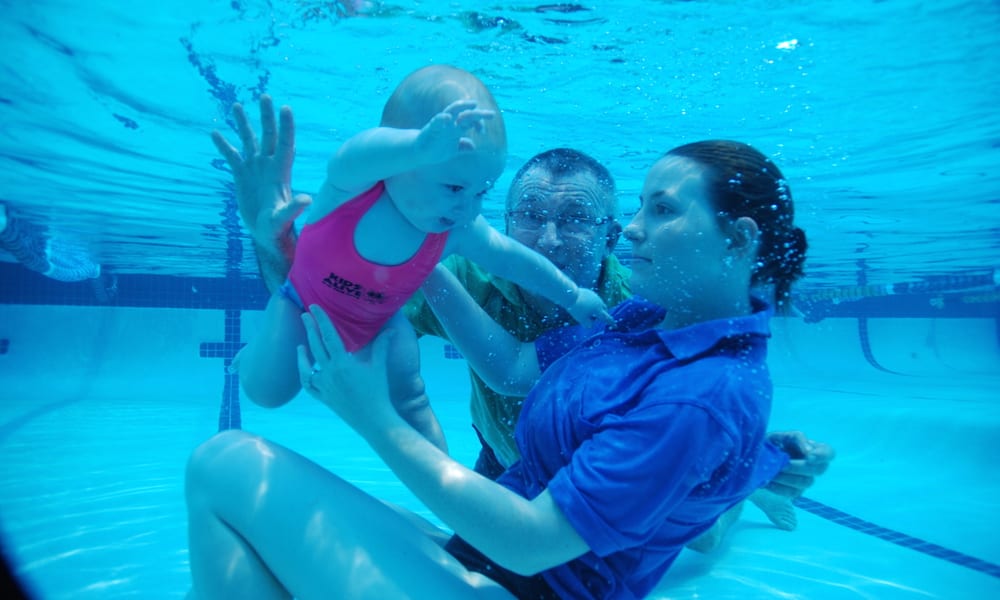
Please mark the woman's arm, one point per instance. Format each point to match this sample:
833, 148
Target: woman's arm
506, 257
262, 178
525, 536
505, 363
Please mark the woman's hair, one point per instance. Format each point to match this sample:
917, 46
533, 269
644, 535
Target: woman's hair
742, 182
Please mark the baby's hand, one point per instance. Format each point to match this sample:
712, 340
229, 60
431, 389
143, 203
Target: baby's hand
589, 308
444, 136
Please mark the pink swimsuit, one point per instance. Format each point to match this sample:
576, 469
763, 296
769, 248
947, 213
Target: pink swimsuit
358, 295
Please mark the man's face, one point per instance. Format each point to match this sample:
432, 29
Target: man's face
565, 219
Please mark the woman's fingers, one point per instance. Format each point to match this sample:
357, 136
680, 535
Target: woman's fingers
313, 337
305, 368
268, 126
245, 132
231, 154
285, 153
324, 341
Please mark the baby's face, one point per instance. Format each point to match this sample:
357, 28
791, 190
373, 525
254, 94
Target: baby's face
447, 195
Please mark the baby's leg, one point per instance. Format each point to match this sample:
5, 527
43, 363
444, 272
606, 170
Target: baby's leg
406, 386
268, 366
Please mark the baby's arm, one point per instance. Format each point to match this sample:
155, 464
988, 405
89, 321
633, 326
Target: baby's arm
505, 363
381, 152
512, 260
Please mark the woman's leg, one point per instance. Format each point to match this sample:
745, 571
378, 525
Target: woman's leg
264, 522
268, 364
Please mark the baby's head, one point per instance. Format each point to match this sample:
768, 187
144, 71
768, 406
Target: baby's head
429, 90
449, 194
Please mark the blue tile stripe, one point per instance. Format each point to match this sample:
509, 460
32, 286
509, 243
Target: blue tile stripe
219, 349
900, 539
229, 410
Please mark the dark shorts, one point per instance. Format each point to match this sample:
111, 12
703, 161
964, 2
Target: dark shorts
523, 587
487, 463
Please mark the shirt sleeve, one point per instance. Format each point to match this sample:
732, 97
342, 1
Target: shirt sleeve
630, 476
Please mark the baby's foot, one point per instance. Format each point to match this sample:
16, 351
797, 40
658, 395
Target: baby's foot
778, 508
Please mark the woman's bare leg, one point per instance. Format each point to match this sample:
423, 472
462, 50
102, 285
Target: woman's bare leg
265, 522
711, 539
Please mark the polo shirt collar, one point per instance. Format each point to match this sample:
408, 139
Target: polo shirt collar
686, 342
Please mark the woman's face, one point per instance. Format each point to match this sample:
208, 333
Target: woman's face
681, 257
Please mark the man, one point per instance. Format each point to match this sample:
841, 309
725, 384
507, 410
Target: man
561, 203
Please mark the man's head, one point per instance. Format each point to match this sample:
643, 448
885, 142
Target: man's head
562, 204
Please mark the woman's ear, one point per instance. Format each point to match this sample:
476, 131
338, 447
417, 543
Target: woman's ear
745, 235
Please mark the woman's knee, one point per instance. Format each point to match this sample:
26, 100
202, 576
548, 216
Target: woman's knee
210, 459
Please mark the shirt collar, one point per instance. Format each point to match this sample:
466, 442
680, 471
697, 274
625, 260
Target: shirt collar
638, 314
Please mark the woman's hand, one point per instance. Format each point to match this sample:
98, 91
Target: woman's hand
354, 385
263, 173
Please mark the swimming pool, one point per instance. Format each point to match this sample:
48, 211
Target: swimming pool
881, 114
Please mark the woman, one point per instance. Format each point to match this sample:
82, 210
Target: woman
636, 438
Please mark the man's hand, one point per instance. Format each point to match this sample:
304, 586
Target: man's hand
263, 173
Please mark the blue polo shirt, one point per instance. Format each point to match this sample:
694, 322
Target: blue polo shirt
644, 437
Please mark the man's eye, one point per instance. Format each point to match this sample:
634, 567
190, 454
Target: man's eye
454, 188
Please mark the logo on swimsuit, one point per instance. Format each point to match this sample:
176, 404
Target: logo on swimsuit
354, 290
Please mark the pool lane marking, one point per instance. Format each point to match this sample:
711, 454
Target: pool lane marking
896, 537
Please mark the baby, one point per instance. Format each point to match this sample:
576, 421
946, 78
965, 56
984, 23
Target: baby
397, 199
